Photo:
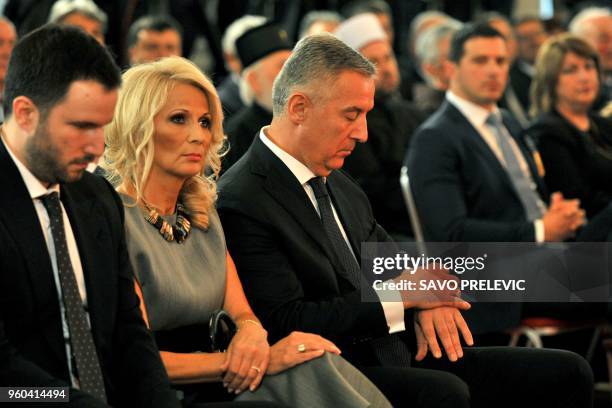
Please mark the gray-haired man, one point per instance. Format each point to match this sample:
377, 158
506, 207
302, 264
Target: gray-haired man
294, 223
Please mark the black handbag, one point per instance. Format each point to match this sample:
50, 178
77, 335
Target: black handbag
221, 330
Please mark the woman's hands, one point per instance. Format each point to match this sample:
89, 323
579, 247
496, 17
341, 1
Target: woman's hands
249, 350
298, 348
247, 358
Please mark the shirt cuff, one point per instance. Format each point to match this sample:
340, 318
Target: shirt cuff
539, 230
394, 311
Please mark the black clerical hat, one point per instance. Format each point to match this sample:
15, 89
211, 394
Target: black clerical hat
261, 41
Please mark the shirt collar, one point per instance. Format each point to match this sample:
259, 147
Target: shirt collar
477, 115
35, 188
297, 168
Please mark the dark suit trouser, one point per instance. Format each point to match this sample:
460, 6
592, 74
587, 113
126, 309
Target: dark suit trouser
490, 377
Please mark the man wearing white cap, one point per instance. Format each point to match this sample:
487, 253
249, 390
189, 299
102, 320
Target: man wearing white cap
376, 165
84, 14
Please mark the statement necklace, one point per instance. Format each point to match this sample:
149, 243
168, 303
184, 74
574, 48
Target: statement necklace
177, 232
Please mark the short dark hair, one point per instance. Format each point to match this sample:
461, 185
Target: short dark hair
157, 23
469, 31
45, 62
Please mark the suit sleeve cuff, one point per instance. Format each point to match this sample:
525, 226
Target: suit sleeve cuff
538, 226
394, 311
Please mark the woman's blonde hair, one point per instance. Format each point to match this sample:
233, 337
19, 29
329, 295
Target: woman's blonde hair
549, 63
129, 137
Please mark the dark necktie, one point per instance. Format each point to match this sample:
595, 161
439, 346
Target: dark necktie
522, 183
81, 339
390, 350
351, 270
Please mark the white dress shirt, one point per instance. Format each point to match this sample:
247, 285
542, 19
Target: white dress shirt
477, 116
393, 310
37, 190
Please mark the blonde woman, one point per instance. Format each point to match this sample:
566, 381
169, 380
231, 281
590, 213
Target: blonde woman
164, 139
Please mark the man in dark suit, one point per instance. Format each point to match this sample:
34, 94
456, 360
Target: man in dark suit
530, 35
69, 316
476, 177
294, 223
461, 174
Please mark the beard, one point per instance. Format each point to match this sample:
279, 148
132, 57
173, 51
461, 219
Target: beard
43, 158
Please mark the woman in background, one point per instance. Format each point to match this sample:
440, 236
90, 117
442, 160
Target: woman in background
575, 143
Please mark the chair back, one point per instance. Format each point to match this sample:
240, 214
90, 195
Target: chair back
415, 221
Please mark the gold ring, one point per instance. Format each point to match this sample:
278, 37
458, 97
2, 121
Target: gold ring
256, 369
301, 348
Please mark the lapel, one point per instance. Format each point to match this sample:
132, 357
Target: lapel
477, 142
22, 223
83, 212
285, 189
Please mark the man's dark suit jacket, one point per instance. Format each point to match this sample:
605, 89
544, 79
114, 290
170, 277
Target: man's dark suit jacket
32, 348
462, 191
464, 194
520, 82
289, 271
229, 93
241, 129
517, 89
